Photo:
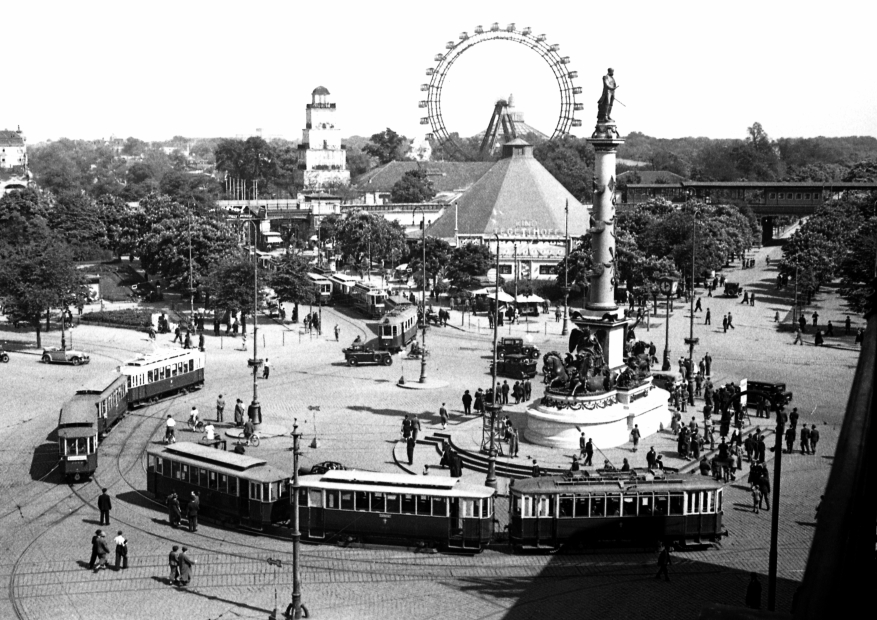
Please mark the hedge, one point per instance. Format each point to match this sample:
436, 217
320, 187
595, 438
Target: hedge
127, 317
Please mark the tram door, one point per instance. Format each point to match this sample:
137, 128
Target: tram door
455, 522
545, 519
316, 513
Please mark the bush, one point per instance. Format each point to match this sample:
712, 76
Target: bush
135, 318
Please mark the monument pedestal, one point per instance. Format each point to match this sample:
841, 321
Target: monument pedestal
558, 420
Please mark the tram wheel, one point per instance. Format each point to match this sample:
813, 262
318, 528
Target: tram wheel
77, 477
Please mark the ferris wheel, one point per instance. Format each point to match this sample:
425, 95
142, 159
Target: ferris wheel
538, 43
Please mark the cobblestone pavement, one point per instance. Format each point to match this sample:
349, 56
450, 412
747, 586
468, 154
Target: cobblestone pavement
47, 525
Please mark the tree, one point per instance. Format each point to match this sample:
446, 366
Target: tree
387, 146
858, 268
571, 161
358, 162
364, 236
133, 147
24, 216
289, 280
468, 262
36, 277
414, 186
77, 218
438, 257
229, 283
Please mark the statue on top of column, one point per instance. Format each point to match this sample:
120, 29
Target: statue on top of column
604, 105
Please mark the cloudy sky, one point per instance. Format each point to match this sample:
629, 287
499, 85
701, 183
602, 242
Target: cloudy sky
91, 69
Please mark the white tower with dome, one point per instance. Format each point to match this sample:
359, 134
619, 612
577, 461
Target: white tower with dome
322, 159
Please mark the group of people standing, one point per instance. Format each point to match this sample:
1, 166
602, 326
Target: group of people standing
100, 550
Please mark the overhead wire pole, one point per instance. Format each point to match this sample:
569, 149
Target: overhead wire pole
494, 408
423, 296
296, 532
191, 287
565, 329
255, 409
691, 340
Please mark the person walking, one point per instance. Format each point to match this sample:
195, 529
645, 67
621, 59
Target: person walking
102, 552
505, 392
664, 561
201, 342
752, 300
513, 442
589, 452
337, 332
467, 403
708, 363
753, 592
121, 551
790, 439
764, 487
187, 341
745, 298
731, 321
173, 561
725, 324
814, 438
634, 436
239, 412
798, 338
847, 326
192, 512
479, 401
697, 306
174, 515
805, 439
815, 318
176, 335
220, 407
443, 416
410, 443
582, 444
266, 369
186, 564
104, 504
94, 548
708, 318
756, 497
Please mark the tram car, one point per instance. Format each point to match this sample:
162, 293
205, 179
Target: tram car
234, 489
397, 328
154, 376
547, 511
322, 287
77, 437
372, 506
369, 299
342, 286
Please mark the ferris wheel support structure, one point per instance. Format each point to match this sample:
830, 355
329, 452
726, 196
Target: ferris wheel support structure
549, 52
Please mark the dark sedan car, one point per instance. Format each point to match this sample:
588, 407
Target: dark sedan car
515, 366
321, 468
358, 354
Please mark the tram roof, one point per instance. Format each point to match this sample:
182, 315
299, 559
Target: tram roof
160, 356
613, 482
229, 463
99, 385
78, 411
376, 482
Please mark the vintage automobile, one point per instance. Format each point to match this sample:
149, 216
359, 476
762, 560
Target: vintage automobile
4, 356
516, 346
57, 355
732, 289
321, 468
359, 354
667, 380
516, 366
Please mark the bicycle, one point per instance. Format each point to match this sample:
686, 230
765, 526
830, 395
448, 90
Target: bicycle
195, 424
253, 440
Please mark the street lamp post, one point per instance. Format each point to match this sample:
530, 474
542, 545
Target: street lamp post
667, 285
254, 411
423, 295
493, 407
691, 340
565, 330
296, 533
191, 287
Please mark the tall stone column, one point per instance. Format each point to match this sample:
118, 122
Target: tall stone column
601, 295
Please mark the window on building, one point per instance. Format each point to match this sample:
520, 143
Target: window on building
505, 269
546, 270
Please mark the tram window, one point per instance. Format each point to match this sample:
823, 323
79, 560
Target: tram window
408, 505
718, 501
222, 483
184, 473
395, 330
202, 477
232, 486
676, 501
314, 498
662, 505
488, 507
303, 497
646, 505
346, 500
149, 374
394, 503
598, 506
476, 508
693, 502
211, 480
62, 446
332, 499
379, 503
797, 196
581, 505
613, 506
362, 500
628, 506
423, 505
781, 196
271, 491
175, 470
546, 505
191, 365
527, 506
439, 507
566, 506
516, 506
807, 196
255, 491
174, 369
708, 502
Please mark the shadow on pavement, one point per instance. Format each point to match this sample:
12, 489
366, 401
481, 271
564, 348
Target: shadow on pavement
45, 458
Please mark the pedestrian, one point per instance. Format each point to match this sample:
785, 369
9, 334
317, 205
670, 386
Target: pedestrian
220, 407
651, 457
174, 515
756, 497
847, 325
121, 551
406, 428
173, 561
664, 562
104, 504
725, 324
776, 317
517, 392
582, 443
411, 442
337, 332
201, 341
818, 340
752, 299
697, 306
467, 403
815, 318
443, 415
589, 452
415, 427
94, 548
534, 470
634, 436
805, 440
829, 330
176, 335
151, 333
557, 314
102, 552
528, 389
266, 369
731, 321
798, 339
513, 442
708, 362
753, 592
802, 323
187, 342
764, 487
708, 318
186, 564
745, 298
814, 438
860, 336
505, 392
574, 467
192, 512
479, 401
215, 325
239, 413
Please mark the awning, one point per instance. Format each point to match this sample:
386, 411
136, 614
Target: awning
491, 293
530, 299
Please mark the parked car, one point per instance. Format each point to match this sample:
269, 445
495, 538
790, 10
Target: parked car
516, 366
516, 346
57, 355
667, 380
732, 289
322, 468
4, 356
359, 354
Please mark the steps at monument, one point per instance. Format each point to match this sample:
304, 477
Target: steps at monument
478, 461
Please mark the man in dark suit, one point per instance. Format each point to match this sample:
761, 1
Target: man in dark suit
104, 505
94, 548
192, 512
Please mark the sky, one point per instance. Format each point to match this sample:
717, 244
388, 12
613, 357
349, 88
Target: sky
92, 69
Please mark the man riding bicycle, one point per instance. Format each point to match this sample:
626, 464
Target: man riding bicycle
249, 429
169, 430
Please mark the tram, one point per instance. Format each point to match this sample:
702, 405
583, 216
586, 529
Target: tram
342, 286
547, 511
321, 286
397, 328
374, 506
77, 437
369, 299
233, 488
161, 374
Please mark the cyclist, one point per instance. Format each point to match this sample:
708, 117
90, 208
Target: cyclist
210, 432
249, 429
169, 430
193, 417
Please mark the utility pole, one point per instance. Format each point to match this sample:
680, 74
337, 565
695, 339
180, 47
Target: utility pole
296, 533
691, 340
565, 329
255, 409
493, 407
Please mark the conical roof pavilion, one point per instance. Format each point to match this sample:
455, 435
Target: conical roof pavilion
516, 197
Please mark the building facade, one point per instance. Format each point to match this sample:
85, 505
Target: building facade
13, 160
322, 159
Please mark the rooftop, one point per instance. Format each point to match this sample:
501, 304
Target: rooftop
445, 176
